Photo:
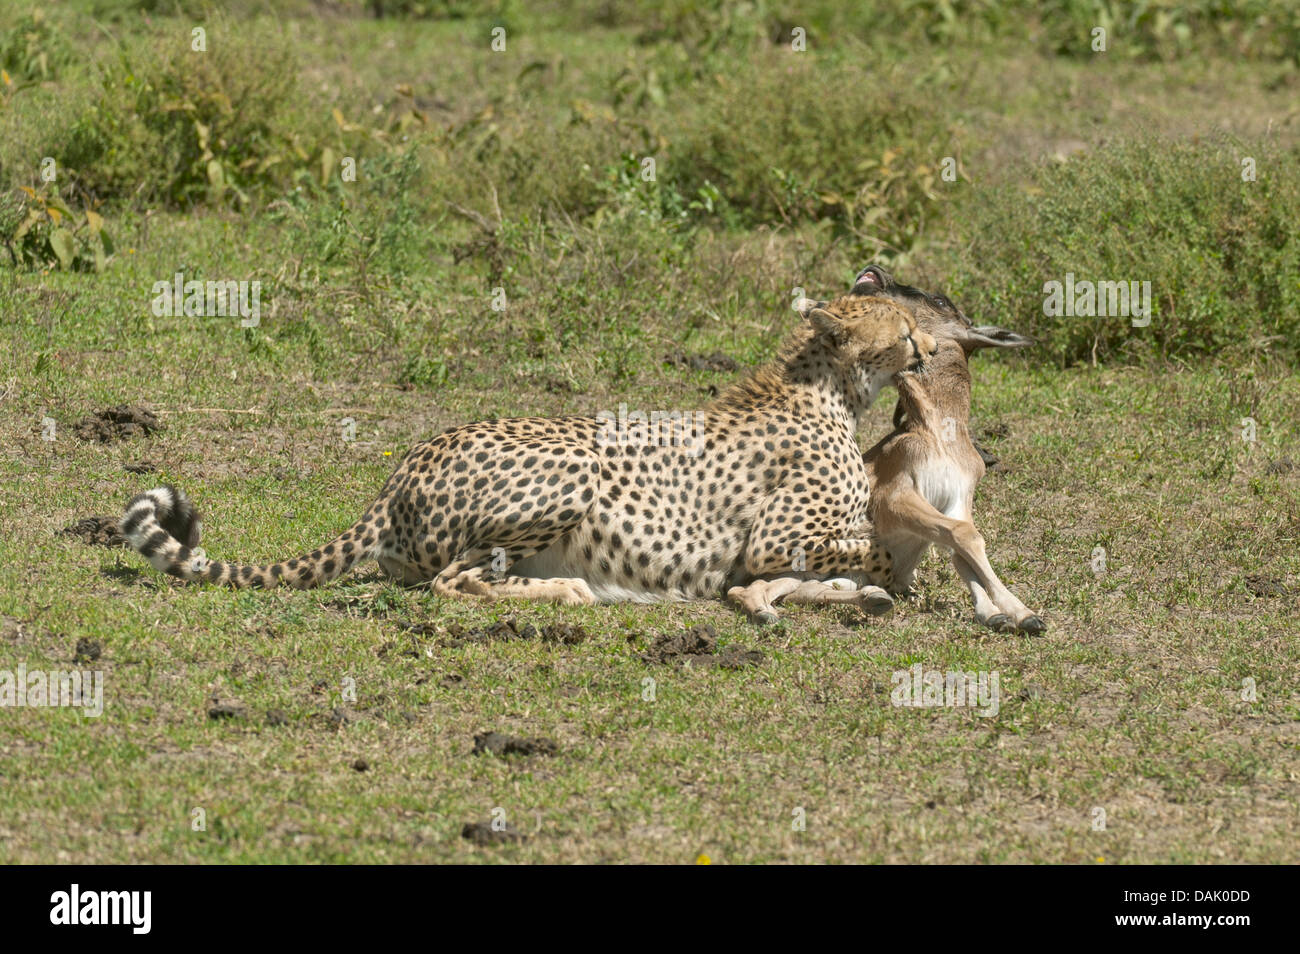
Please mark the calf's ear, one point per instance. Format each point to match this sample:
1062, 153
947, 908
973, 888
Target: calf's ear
991, 336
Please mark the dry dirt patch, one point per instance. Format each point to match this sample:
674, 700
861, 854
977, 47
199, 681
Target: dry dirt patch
698, 646
96, 531
117, 423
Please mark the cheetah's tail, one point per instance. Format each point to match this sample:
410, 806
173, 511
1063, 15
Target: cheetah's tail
163, 527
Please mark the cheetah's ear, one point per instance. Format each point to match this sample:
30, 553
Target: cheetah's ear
806, 305
827, 323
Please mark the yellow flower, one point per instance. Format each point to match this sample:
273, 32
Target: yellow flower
703, 859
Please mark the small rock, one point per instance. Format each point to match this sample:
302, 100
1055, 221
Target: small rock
482, 833
1030, 691
500, 744
701, 362
88, 650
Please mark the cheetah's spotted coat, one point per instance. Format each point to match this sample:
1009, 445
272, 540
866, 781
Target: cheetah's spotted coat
774, 479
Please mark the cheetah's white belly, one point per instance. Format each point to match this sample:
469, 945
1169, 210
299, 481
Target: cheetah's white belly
552, 563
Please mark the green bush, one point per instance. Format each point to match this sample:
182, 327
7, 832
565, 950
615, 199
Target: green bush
782, 138
1154, 29
183, 127
858, 145
40, 230
434, 9
370, 224
1167, 29
33, 49
1222, 254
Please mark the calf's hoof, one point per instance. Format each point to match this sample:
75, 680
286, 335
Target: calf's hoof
1032, 624
874, 601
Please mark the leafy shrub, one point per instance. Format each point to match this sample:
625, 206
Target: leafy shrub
841, 150
182, 127
33, 49
40, 230
1222, 254
709, 27
371, 224
432, 9
1165, 29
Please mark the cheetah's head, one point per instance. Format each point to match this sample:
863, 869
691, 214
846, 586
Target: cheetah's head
871, 336
934, 312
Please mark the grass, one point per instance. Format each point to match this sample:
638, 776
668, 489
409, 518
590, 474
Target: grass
378, 306
1131, 703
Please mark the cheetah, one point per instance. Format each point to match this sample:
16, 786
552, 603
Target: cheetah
566, 510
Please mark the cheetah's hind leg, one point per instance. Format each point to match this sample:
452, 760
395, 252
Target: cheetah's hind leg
460, 580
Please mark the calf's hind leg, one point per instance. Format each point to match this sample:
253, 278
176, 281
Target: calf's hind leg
759, 598
872, 600
914, 512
